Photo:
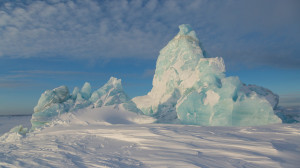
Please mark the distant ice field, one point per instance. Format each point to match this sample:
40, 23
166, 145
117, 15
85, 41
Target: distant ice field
8, 122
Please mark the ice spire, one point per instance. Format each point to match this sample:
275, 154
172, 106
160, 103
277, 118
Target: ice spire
192, 89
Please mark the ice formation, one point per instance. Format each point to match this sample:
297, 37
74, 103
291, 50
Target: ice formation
54, 102
187, 88
16, 133
191, 89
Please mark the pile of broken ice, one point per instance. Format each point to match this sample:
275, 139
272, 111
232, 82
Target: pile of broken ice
194, 90
53, 103
188, 88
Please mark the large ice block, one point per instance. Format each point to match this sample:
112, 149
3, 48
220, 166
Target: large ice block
192, 89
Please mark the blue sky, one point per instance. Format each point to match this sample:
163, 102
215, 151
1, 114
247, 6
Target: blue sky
45, 44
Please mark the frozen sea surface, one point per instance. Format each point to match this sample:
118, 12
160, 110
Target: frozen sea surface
76, 141
8, 122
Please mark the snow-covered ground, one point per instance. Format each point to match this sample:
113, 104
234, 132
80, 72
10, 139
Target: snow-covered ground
84, 139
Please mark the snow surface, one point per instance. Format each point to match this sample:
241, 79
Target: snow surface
106, 137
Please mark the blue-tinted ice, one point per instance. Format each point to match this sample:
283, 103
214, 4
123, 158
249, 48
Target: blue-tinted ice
54, 102
191, 89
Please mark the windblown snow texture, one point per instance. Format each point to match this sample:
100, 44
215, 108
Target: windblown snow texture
191, 89
80, 145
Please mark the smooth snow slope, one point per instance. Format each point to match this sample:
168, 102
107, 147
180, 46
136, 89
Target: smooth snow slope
82, 139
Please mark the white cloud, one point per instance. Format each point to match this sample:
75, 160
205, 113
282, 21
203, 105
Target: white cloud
78, 29
102, 29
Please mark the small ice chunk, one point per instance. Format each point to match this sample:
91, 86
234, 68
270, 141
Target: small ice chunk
86, 90
57, 95
75, 92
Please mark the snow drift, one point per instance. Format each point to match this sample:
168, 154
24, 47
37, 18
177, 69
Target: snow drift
83, 145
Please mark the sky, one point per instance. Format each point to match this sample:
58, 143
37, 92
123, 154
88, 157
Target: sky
45, 44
